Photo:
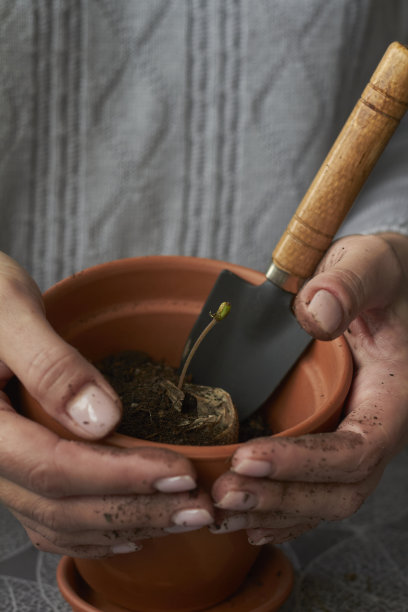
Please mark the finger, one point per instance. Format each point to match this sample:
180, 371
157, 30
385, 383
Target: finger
108, 542
67, 386
290, 501
178, 512
111, 537
341, 456
358, 273
40, 461
252, 520
85, 551
259, 537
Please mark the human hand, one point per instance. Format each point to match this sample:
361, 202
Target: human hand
78, 498
278, 488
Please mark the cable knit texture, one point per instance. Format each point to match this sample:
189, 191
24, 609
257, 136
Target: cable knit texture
193, 127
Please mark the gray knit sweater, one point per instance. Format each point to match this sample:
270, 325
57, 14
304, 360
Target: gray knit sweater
134, 127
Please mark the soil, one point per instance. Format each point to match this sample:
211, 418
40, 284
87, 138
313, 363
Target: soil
155, 409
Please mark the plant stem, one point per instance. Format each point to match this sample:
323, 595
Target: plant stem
222, 312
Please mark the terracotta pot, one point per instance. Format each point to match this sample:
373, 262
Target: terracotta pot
150, 304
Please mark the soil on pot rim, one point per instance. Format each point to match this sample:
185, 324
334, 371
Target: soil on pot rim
155, 409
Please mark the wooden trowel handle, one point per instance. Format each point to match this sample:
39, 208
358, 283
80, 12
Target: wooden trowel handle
345, 169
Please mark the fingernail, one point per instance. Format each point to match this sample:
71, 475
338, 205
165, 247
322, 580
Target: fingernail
326, 311
253, 467
93, 411
232, 523
127, 547
238, 500
175, 484
194, 518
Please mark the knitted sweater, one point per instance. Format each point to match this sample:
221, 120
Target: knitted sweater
137, 127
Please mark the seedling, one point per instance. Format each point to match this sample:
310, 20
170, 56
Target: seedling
222, 312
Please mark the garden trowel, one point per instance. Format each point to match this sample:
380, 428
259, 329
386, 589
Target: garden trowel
251, 351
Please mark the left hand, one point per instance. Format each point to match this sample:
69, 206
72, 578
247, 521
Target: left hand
278, 488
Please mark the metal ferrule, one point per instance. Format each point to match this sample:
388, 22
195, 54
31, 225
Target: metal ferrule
283, 279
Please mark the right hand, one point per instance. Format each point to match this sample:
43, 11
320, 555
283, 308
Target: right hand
78, 498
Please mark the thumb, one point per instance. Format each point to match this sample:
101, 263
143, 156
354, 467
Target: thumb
358, 273
68, 387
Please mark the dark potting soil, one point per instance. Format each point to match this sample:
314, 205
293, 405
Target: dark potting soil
155, 409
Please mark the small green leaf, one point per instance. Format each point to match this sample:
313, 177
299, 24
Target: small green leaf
222, 312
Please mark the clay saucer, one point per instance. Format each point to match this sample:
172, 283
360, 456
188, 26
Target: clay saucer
265, 589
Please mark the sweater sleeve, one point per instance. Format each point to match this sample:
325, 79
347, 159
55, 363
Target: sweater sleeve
382, 204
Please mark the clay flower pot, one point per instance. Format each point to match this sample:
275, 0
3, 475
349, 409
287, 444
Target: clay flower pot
150, 304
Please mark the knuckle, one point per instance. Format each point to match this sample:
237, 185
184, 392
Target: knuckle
364, 470
47, 515
48, 541
44, 480
354, 288
18, 292
50, 369
60, 540
9, 286
349, 503
370, 461
50, 477
356, 457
